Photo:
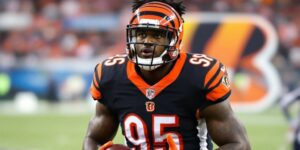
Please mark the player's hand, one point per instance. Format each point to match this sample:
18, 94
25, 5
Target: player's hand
106, 145
172, 145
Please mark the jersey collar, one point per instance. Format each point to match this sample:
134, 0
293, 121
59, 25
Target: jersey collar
152, 91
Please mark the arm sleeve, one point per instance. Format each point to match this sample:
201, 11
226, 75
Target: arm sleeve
95, 86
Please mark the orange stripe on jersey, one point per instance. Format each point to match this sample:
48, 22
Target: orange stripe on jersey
95, 93
162, 84
218, 92
135, 78
217, 79
95, 82
211, 73
99, 71
94, 90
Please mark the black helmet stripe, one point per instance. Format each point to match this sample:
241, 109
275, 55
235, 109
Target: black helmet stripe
167, 9
168, 6
154, 13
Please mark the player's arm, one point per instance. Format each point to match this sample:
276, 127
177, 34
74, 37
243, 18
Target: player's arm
102, 128
224, 128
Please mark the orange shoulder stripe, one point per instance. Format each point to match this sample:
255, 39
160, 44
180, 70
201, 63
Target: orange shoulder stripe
95, 82
217, 79
95, 93
99, 71
217, 93
211, 73
94, 90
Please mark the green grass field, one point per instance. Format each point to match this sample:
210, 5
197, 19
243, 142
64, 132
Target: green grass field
61, 131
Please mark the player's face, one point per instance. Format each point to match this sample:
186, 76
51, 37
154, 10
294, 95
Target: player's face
152, 40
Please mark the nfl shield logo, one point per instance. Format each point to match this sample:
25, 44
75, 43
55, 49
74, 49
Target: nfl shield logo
150, 93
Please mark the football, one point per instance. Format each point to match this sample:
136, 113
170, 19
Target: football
118, 147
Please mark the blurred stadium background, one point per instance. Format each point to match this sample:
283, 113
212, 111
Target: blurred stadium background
48, 50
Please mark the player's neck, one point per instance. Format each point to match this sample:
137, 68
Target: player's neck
154, 76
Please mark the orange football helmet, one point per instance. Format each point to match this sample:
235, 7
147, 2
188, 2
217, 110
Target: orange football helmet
160, 16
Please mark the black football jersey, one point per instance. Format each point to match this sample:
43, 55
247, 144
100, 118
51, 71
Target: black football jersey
147, 113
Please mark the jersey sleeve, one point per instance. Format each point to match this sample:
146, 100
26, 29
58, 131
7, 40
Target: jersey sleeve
216, 83
95, 86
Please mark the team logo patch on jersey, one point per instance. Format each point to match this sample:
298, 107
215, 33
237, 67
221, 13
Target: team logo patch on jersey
225, 81
150, 106
150, 93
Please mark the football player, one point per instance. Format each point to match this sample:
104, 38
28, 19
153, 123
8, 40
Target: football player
286, 103
157, 89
